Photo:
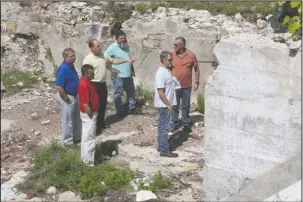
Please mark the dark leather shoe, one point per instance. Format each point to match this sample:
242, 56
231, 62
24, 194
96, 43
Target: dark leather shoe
169, 155
171, 129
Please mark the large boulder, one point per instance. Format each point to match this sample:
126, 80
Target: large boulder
252, 119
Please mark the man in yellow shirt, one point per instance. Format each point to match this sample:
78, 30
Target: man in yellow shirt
101, 63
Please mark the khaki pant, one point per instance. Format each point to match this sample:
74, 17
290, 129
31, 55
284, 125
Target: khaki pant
88, 143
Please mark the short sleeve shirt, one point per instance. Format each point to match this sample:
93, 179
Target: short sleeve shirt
67, 77
164, 79
182, 68
87, 95
115, 51
99, 65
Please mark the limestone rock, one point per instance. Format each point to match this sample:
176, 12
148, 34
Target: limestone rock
68, 196
254, 82
239, 18
34, 116
51, 190
46, 122
261, 24
145, 195
37, 133
20, 83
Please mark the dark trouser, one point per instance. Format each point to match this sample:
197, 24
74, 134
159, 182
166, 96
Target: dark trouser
121, 84
182, 94
163, 145
101, 89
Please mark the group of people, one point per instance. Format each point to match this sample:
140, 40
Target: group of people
83, 100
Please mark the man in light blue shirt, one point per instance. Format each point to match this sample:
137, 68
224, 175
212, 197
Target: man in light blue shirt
123, 80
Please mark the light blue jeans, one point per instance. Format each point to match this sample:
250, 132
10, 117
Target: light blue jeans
71, 124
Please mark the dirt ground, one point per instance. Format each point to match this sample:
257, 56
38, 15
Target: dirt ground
32, 117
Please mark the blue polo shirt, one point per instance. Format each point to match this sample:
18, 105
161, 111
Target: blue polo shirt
115, 51
67, 77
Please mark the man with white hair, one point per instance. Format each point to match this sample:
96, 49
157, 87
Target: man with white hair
164, 101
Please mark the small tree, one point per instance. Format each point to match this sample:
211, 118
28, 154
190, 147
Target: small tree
293, 23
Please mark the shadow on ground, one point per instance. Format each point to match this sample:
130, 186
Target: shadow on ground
106, 149
177, 139
196, 118
114, 118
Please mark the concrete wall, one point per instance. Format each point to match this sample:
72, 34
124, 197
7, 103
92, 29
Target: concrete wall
252, 120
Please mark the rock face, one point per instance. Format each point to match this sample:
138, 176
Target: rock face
33, 37
252, 120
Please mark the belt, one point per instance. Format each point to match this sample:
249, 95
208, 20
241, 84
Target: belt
72, 94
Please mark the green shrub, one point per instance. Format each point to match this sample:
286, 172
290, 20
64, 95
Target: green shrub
62, 167
158, 183
227, 7
201, 104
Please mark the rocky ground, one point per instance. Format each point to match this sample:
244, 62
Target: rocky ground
31, 117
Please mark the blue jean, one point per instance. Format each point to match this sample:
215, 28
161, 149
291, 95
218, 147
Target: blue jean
121, 84
164, 118
183, 95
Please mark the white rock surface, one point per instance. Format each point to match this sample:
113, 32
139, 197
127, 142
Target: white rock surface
145, 195
252, 120
51, 190
291, 193
68, 196
7, 189
46, 122
6, 125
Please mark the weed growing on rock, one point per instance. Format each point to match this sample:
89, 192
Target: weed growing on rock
228, 8
158, 183
62, 167
201, 104
16, 81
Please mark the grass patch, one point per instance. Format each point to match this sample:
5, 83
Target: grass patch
16, 81
62, 167
228, 8
158, 183
201, 104
147, 96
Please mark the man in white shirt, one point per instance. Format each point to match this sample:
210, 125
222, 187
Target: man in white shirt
101, 63
164, 100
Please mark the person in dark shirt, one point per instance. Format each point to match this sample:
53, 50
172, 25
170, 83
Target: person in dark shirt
89, 105
67, 80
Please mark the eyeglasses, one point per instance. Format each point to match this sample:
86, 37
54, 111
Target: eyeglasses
72, 56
